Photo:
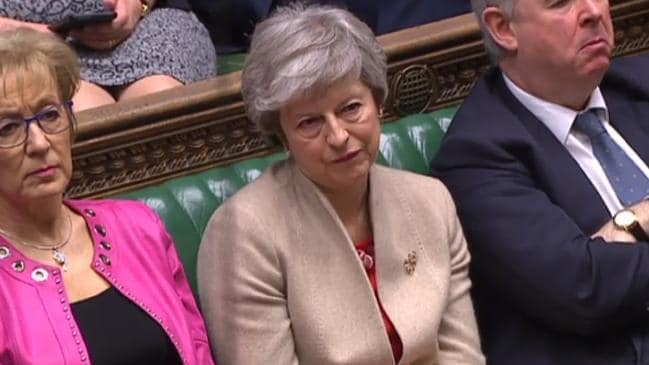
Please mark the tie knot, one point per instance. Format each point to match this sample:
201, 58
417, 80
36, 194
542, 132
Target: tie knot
589, 123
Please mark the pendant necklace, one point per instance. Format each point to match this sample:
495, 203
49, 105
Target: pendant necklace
59, 257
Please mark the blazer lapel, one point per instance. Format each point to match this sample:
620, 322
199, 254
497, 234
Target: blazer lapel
340, 275
556, 171
406, 298
631, 119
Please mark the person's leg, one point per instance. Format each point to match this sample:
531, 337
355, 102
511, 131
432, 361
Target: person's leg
148, 85
90, 95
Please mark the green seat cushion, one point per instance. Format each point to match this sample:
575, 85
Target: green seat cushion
227, 63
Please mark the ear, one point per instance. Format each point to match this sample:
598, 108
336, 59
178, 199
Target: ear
500, 28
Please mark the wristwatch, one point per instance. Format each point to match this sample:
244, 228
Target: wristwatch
626, 220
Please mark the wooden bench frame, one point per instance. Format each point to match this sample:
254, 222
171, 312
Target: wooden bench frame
147, 140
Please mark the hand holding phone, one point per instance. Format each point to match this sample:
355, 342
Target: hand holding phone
105, 36
77, 21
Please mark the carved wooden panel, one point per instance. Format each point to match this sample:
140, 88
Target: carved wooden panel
198, 126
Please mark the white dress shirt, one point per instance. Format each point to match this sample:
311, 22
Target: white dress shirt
559, 121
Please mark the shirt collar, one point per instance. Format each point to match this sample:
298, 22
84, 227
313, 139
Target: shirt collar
557, 118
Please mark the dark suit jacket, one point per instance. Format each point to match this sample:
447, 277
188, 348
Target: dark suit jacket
231, 22
545, 292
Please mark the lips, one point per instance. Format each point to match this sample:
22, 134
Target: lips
44, 171
594, 42
346, 157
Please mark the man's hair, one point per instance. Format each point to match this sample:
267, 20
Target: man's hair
28, 56
494, 50
302, 50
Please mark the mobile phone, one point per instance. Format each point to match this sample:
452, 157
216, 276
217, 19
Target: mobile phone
76, 21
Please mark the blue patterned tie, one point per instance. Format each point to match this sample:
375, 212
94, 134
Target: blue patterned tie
628, 181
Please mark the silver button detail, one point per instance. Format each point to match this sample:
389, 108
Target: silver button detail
101, 230
106, 245
105, 259
4, 252
40, 275
18, 266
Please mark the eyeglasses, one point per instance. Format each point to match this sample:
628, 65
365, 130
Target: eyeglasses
50, 119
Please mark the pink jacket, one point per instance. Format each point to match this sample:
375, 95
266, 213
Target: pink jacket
134, 252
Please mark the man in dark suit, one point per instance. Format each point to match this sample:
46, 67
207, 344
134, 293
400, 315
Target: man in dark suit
547, 162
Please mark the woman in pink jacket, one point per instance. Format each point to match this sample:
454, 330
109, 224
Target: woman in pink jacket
81, 282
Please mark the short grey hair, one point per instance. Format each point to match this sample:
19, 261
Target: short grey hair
494, 50
301, 50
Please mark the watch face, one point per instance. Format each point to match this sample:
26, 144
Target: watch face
624, 218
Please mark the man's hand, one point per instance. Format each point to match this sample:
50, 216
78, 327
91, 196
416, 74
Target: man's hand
106, 36
610, 233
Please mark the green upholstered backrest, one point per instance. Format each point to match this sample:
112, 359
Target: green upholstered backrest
186, 203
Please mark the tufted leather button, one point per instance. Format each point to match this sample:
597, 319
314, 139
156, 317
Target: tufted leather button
105, 259
106, 245
101, 230
18, 266
40, 275
89, 212
4, 252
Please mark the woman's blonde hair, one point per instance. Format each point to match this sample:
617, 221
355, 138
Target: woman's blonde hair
27, 55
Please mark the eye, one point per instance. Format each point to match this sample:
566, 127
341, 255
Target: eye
558, 3
9, 127
352, 108
310, 127
49, 114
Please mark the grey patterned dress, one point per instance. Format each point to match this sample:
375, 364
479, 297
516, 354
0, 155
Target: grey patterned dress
168, 41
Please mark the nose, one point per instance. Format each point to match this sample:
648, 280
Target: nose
337, 134
592, 11
37, 141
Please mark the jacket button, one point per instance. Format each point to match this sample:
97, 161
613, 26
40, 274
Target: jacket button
105, 245
4, 252
89, 212
105, 259
18, 266
39, 274
101, 230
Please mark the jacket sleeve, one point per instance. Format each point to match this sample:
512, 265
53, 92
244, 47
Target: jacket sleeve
459, 342
242, 290
193, 315
532, 254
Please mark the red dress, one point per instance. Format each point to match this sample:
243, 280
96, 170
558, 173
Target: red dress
365, 251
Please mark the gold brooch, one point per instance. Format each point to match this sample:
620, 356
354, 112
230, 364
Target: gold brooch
410, 263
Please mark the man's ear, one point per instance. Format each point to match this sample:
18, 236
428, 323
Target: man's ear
500, 28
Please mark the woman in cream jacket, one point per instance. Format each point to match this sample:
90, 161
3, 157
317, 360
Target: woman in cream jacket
328, 258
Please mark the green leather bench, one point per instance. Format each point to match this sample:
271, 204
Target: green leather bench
186, 203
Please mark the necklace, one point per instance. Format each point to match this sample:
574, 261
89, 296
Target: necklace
59, 257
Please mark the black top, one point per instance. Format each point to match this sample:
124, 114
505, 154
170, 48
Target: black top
118, 332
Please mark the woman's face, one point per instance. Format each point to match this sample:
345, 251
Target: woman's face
334, 135
42, 165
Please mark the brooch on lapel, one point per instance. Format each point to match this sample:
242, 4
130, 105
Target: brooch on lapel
410, 262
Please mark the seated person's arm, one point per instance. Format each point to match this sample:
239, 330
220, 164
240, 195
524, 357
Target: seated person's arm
532, 254
458, 343
242, 291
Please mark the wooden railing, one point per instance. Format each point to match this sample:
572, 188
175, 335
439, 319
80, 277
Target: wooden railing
195, 127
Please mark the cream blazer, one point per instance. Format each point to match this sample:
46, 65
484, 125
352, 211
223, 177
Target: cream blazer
280, 281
